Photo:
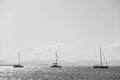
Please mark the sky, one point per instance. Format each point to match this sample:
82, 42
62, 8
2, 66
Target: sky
76, 28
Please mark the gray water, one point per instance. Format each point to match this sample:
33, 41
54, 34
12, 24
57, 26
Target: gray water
65, 73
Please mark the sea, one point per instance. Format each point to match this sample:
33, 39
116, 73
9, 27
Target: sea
64, 73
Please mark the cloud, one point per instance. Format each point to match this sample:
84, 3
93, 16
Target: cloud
43, 48
66, 46
112, 46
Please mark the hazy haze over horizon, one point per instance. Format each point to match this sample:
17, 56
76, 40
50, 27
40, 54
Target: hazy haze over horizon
76, 27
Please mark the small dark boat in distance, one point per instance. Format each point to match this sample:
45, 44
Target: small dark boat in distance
18, 66
101, 63
55, 65
100, 66
19, 63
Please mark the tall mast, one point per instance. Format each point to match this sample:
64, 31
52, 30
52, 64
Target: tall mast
18, 58
100, 56
56, 56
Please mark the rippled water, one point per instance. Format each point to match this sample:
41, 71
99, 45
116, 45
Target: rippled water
65, 73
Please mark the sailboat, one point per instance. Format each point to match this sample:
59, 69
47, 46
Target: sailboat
19, 63
101, 62
55, 65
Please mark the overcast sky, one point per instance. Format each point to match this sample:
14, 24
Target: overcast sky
77, 28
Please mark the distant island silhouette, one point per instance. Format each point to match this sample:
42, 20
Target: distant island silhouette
64, 63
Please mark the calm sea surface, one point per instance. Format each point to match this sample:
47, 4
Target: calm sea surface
65, 73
